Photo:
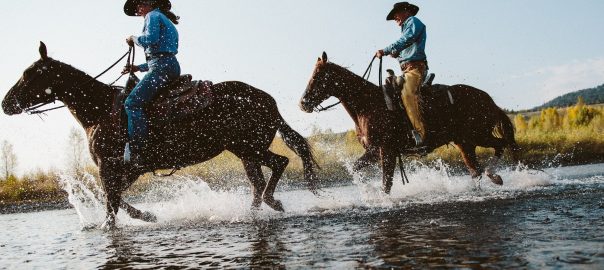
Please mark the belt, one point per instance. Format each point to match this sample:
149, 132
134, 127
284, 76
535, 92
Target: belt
414, 65
158, 55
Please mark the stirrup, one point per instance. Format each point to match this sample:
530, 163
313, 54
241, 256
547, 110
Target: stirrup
417, 137
127, 154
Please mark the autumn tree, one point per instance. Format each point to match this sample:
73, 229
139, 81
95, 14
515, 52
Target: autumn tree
77, 158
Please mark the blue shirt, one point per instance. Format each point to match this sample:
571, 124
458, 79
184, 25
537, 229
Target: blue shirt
159, 36
412, 44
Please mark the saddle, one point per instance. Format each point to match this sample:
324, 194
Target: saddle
429, 92
180, 99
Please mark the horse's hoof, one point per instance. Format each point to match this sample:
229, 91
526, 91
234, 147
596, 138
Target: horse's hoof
496, 179
256, 203
149, 217
275, 204
109, 224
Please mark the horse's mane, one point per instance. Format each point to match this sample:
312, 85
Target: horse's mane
372, 91
64, 67
350, 73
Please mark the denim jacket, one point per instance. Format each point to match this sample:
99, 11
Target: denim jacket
159, 36
412, 44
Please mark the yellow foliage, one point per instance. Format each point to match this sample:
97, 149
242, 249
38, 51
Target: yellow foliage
550, 119
520, 123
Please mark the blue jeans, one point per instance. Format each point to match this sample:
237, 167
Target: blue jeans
162, 71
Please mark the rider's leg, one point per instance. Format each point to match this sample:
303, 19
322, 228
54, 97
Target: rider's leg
161, 72
414, 76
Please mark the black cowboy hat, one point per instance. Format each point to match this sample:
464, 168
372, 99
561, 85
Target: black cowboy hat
401, 7
130, 6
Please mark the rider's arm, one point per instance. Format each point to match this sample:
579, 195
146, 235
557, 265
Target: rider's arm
152, 28
411, 31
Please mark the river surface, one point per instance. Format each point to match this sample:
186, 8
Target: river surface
537, 220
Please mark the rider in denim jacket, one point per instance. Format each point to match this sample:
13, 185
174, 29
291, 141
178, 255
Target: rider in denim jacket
160, 41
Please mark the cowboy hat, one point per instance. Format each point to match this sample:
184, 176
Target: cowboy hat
130, 6
402, 6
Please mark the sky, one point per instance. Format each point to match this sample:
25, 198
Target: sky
523, 53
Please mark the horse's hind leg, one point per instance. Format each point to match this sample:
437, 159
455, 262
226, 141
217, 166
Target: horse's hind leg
468, 153
490, 171
277, 165
254, 174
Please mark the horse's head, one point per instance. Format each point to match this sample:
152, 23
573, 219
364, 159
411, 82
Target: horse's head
320, 85
36, 87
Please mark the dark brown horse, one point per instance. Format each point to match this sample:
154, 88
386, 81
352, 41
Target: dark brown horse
468, 117
241, 119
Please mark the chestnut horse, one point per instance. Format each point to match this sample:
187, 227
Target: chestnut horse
471, 120
241, 119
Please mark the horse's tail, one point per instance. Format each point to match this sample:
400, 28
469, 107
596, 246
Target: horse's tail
302, 148
505, 130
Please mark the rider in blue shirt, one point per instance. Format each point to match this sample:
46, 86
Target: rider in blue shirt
409, 49
160, 42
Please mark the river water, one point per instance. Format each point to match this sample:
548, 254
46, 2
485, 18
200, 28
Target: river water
537, 220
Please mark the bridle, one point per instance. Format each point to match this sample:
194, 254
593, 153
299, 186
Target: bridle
130, 53
366, 76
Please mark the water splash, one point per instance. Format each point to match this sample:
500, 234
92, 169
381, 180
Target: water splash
86, 196
190, 200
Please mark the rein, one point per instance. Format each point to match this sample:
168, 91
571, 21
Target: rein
366, 76
130, 52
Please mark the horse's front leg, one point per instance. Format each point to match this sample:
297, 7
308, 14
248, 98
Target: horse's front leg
388, 159
111, 185
112, 180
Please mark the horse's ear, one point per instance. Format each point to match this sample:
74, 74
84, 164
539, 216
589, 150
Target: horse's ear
324, 57
43, 51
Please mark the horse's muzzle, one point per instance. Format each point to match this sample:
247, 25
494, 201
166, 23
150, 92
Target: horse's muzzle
304, 106
10, 106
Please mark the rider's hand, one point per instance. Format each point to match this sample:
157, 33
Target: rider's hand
379, 54
395, 54
127, 69
130, 41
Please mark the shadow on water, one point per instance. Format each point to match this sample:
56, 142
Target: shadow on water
473, 235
